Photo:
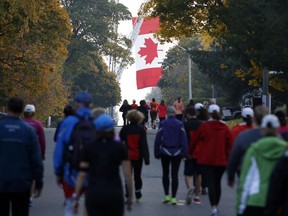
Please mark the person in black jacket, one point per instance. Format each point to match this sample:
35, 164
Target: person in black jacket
277, 201
143, 109
134, 137
124, 109
20, 161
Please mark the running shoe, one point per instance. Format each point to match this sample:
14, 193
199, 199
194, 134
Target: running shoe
138, 194
31, 203
173, 201
214, 212
189, 196
166, 199
196, 200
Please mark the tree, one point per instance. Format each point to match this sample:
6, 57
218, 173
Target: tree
94, 36
253, 31
33, 40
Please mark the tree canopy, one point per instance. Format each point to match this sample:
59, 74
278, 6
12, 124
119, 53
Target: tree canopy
253, 31
33, 39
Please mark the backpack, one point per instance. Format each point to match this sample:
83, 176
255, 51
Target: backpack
82, 134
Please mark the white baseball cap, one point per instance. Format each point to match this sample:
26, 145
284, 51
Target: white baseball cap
198, 106
270, 121
213, 107
247, 111
29, 108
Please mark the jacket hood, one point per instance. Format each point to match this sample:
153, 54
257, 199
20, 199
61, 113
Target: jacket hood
216, 125
270, 147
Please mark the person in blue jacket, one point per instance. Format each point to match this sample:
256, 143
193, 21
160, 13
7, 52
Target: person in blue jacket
170, 146
65, 176
20, 161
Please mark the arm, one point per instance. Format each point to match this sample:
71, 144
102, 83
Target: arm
157, 143
183, 142
144, 147
128, 179
36, 163
42, 140
234, 161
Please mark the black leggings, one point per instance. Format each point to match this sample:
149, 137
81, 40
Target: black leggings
213, 176
18, 201
137, 170
175, 164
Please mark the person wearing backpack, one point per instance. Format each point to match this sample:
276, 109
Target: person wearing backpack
170, 146
73, 131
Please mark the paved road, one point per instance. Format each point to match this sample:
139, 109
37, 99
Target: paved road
51, 201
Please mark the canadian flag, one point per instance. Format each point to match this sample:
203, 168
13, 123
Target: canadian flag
149, 55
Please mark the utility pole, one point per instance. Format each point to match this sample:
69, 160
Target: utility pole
265, 90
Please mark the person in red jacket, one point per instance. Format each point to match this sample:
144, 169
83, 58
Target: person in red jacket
134, 137
153, 112
213, 141
247, 115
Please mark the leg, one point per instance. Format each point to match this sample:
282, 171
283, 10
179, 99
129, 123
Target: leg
137, 178
165, 161
20, 203
4, 204
219, 173
174, 173
209, 175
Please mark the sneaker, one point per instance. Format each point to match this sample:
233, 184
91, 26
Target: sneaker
138, 195
189, 196
196, 200
31, 203
204, 191
214, 212
173, 201
166, 199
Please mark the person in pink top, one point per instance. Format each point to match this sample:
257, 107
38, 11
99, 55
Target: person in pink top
162, 110
179, 107
29, 112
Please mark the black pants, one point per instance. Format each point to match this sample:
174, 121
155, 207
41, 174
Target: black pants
175, 164
253, 211
162, 119
124, 119
18, 201
213, 176
137, 170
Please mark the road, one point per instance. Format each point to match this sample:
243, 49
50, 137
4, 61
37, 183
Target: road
51, 201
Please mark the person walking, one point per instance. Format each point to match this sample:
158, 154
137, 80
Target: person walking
143, 109
68, 110
247, 116
170, 146
125, 107
277, 198
134, 105
101, 160
214, 142
258, 164
283, 130
134, 137
29, 112
191, 167
179, 107
242, 143
20, 161
153, 112
162, 110
65, 172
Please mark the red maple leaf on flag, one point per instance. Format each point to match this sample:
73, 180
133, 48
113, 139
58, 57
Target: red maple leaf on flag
150, 51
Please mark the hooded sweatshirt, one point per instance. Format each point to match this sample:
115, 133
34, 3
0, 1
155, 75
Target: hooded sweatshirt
257, 167
213, 141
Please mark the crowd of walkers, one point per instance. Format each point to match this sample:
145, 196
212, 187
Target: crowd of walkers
88, 155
